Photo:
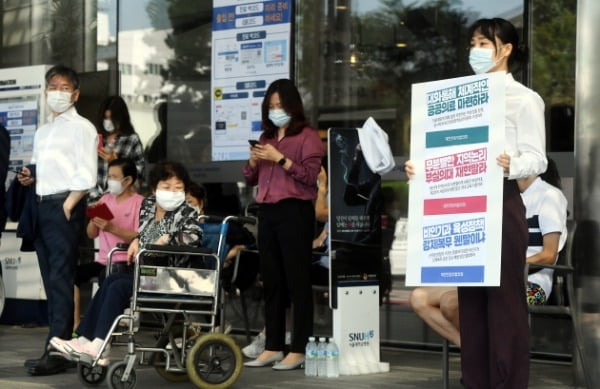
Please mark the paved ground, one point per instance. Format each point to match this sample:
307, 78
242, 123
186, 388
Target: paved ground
409, 369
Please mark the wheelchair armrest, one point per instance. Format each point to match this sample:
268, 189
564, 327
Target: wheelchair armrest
123, 245
180, 249
561, 269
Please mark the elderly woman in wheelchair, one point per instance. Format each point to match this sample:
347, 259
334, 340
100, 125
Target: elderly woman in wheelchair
165, 219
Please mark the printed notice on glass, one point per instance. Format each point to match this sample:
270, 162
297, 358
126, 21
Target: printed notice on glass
250, 49
20, 117
455, 198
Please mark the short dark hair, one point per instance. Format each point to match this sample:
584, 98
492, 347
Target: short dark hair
127, 167
507, 33
166, 169
291, 102
551, 175
63, 71
119, 115
197, 191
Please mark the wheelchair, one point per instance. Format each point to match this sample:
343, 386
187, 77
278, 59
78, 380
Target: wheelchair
188, 300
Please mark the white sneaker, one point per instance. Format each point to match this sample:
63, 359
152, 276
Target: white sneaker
78, 351
59, 344
254, 349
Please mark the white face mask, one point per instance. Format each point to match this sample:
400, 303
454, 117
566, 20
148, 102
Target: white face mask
481, 59
115, 187
108, 125
168, 200
279, 117
59, 101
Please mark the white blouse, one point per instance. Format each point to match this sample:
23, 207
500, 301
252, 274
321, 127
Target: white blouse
525, 130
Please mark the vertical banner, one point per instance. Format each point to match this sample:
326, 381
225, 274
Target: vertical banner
250, 49
355, 205
455, 198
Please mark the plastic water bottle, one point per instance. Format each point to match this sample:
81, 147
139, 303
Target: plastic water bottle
333, 359
322, 357
310, 365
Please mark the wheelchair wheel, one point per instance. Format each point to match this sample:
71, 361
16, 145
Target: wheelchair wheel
115, 373
159, 360
214, 362
91, 376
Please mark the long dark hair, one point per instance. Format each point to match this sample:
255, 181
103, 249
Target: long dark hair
507, 33
119, 115
291, 102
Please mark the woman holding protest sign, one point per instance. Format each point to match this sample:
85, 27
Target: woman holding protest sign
494, 331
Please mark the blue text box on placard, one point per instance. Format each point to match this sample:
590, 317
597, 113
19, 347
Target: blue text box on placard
452, 274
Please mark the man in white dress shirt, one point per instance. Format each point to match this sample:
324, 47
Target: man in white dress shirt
65, 159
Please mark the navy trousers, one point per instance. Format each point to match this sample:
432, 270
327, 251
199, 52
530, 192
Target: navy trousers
285, 233
108, 303
56, 245
494, 331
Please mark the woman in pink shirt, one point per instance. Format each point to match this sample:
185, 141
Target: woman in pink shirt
124, 204
285, 164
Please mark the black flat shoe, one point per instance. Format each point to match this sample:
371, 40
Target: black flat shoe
29, 363
52, 365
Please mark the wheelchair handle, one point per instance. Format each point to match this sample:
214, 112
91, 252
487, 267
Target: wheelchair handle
246, 220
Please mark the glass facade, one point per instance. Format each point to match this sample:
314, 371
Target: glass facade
358, 59
352, 59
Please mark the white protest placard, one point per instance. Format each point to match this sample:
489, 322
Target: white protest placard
455, 197
250, 49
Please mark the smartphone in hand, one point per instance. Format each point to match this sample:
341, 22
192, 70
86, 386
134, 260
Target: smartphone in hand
100, 143
20, 172
253, 142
